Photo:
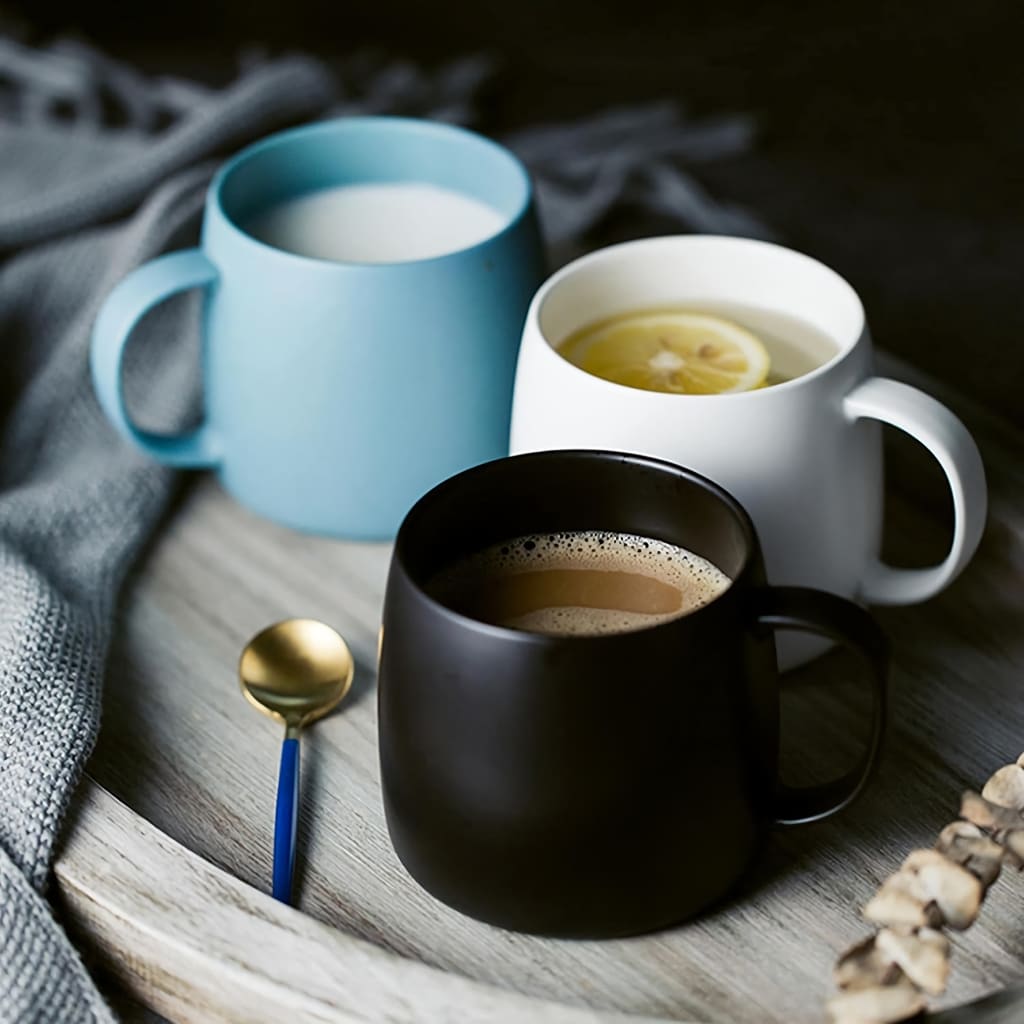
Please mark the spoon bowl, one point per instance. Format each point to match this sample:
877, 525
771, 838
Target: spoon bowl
296, 671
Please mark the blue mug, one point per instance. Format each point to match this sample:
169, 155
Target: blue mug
336, 394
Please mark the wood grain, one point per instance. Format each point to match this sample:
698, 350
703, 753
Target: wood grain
181, 748
202, 946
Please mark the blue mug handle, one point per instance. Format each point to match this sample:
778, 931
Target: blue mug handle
142, 289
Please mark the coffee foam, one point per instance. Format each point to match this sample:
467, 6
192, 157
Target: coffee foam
697, 580
573, 620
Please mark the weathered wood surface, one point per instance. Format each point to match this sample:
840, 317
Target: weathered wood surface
204, 947
182, 750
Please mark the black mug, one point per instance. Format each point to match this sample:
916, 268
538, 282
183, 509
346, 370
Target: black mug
593, 785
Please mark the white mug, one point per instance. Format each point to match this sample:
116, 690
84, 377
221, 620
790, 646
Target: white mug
804, 456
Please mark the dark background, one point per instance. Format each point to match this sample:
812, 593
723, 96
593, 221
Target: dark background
892, 135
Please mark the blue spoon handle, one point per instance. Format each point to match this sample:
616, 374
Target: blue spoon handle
286, 819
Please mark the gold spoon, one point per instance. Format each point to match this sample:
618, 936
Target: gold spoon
295, 671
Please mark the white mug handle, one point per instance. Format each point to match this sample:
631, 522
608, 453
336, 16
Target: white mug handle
934, 426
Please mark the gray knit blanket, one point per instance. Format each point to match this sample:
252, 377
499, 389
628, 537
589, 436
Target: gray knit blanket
101, 169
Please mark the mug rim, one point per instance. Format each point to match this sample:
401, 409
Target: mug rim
367, 123
738, 512
581, 263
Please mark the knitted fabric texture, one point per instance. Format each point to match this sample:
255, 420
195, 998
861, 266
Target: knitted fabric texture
81, 204
75, 502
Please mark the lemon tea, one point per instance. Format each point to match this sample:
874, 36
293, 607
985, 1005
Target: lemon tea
714, 348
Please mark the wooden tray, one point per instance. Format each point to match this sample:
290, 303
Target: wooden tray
167, 857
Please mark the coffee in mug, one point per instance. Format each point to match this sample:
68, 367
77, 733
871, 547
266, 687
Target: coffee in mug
586, 583
605, 780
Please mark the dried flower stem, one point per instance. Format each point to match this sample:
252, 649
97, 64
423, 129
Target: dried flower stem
886, 977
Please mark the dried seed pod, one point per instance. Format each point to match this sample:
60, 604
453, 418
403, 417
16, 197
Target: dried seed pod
956, 892
882, 1004
922, 955
901, 903
864, 966
965, 844
957, 830
1006, 787
1005, 825
987, 815
1013, 843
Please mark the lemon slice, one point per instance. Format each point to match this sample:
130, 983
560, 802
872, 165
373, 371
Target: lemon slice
674, 351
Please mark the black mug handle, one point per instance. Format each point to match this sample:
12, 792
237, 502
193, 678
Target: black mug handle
814, 611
